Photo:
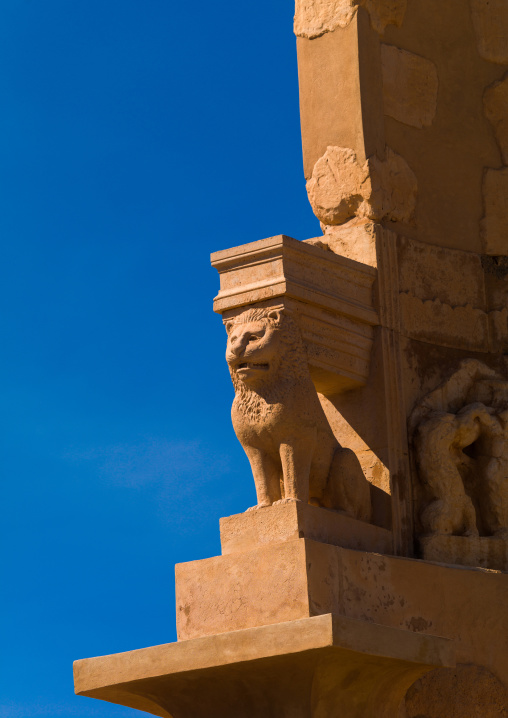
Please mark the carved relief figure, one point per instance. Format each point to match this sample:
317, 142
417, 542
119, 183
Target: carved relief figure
280, 423
492, 461
460, 435
440, 441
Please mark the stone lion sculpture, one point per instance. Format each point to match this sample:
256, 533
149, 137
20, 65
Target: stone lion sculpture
280, 423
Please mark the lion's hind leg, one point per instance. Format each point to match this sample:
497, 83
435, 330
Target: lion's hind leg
347, 488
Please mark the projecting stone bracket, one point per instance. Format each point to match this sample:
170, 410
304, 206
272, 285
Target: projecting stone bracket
329, 296
321, 666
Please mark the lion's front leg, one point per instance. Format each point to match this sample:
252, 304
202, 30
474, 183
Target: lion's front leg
266, 473
296, 458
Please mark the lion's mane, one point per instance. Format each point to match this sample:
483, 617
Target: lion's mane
292, 369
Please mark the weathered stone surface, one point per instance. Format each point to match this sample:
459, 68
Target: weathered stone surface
354, 240
498, 331
490, 20
485, 551
227, 593
329, 76
287, 522
394, 188
341, 188
438, 307
495, 101
242, 590
433, 321
305, 669
430, 273
461, 692
410, 86
431, 598
315, 17
386, 12
496, 283
495, 221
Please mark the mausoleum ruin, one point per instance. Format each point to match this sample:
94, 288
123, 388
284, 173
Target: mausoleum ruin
371, 399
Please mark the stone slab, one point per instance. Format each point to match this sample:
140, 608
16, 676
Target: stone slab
483, 551
286, 522
228, 593
304, 578
270, 670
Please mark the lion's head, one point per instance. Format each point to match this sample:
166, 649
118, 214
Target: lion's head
264, 348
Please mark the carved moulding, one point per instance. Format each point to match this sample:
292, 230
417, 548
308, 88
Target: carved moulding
460, 446
330, 297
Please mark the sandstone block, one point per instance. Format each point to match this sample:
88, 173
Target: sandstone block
495, 102
495, 221
490, 20
460, 692
281, 582
386, 12
388, 612
410, 86
429, 273
303, 578
437, 323
484, 551
394, 188
496, 282
288, 522
320, 667
431, 598
315, 17
341, 188
333, 74
354, 240
498, 331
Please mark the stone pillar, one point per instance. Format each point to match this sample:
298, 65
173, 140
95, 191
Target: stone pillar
403, 109
405, 140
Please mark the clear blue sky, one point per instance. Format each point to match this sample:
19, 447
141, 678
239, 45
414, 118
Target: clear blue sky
136, 137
